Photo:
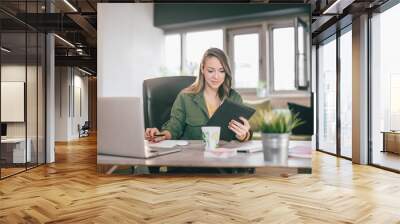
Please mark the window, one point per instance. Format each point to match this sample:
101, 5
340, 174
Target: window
172, 54
394, 101
385, 85
283, 59
196, 44
248, 51
245, 57
327, 96
346, 94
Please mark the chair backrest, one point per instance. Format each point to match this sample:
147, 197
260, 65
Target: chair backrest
86, 125
159, 95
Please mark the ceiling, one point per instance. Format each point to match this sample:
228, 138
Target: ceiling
76, 22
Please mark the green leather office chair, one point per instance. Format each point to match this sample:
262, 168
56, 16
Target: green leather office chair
159, 95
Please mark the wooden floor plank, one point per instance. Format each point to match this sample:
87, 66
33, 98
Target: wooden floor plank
71, 191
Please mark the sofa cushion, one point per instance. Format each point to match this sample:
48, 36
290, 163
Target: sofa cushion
305, 114
259, 105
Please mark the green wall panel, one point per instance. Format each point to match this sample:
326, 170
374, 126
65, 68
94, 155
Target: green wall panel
183, 15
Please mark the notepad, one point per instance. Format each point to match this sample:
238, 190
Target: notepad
228, 111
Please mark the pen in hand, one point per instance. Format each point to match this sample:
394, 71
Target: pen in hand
156, 138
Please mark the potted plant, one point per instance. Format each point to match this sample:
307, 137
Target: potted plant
276, 128
262, 89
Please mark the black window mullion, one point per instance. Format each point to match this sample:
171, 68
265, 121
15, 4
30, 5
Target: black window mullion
26, 87
369, 81
317, 96
338, 98
37, 90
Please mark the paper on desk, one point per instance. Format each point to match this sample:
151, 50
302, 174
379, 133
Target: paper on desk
168, 144
220, 153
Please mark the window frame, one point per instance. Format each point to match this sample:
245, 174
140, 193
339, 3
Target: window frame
299, 21
255, 29
272, 90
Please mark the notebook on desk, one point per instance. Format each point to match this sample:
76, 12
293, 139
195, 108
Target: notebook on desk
228, 111
244, 147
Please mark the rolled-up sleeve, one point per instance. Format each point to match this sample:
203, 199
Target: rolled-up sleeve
176, 124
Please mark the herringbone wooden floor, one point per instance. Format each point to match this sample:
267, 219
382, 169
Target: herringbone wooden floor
70, 191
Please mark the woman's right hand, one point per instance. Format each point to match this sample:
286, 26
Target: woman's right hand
150, 135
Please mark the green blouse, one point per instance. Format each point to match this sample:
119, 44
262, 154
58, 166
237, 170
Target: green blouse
189, 113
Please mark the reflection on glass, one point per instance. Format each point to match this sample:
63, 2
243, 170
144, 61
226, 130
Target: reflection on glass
385, 83
246, 60
196, 44
327, 97
283, 58
346, 94
14, 151
172, 54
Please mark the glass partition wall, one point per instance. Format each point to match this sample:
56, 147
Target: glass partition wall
334, 94
22, 100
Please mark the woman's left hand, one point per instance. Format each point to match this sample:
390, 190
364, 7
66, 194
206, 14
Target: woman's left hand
240, 129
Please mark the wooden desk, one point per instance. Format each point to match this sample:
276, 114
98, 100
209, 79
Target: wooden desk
391, 141
193, 156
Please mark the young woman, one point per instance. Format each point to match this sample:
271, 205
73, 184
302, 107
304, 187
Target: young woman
197, 103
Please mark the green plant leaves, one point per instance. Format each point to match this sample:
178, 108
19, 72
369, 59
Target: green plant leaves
279, 122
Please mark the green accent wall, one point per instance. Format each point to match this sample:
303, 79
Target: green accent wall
184, 15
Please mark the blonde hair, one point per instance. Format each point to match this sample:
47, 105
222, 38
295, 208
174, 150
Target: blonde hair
198, 85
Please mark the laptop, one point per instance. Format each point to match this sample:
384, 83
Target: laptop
121, 129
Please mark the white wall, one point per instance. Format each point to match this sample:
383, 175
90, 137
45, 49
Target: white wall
129, 48
61, 103
68, 81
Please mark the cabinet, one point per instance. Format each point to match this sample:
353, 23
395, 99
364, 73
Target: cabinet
391, 142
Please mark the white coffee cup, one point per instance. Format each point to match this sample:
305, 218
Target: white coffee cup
211, 136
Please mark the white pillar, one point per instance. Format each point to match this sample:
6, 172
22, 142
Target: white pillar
50, 99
